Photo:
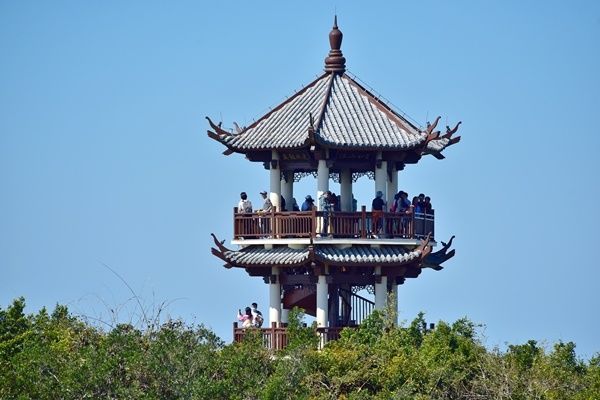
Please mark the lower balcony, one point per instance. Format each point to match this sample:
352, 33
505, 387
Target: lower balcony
276, 337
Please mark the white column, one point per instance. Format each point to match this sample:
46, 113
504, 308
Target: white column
275, 189
346, 189
392, 186
322, 304
287, 189
381, 176
275, 298
380, 291
285, 315
322, 181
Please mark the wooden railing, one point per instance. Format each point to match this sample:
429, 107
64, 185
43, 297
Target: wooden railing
312, 224
359, 308
276, 338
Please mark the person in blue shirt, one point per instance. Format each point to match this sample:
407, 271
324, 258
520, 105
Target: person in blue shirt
308, 203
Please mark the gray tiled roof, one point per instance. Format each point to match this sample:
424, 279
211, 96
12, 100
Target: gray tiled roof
287, 125
354, 118
345, 115
368, 254
258, 255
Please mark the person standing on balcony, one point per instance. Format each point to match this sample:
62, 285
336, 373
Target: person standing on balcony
257, 316
264, 222
403, 202
308, 204
267, 205
327, 201
282, 203
406, 209
244, 224
427, 208
417, 205
245, 205
295, 205
377, 208
245, 318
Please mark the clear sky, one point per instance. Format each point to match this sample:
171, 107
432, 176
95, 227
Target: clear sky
104, 157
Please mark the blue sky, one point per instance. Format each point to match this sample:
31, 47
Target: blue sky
104, 157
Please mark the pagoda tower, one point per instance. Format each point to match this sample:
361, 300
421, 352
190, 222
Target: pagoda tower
336, 130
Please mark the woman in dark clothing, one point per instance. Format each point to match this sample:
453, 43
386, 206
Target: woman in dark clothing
377, 208
427, 208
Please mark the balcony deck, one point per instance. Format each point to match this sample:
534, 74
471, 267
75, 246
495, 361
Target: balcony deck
331, 227
276, 337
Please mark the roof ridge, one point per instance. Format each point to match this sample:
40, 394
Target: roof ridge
325, 101
380, 104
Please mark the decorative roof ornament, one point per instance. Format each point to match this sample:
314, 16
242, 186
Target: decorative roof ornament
335, 62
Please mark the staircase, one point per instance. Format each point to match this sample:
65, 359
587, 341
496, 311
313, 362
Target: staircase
359, 307
304, 297
353, 309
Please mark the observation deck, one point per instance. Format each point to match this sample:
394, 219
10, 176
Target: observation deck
335, 227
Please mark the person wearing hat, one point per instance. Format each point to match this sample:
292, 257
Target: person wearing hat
308, 204
267, 205
244, 206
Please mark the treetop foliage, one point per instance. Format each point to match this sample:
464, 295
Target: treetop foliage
60, 356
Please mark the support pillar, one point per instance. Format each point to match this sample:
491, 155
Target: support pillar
380, 291
275, 187
287, 189
381, 176
285, 315
322, 181
322, 304
274, 298
346, 189
392, 186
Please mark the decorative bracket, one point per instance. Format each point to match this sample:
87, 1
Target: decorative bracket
434, 260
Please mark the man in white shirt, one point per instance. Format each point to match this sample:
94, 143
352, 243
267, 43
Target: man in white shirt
244, 206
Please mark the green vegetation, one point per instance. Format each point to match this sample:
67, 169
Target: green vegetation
59, 356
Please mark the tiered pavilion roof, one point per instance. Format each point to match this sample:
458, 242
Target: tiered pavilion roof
335, 112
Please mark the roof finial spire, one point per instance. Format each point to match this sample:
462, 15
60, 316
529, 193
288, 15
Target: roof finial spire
335, 61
